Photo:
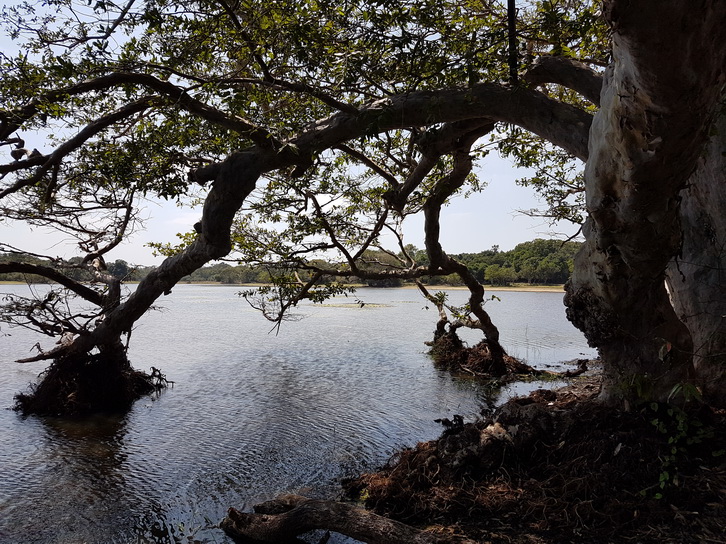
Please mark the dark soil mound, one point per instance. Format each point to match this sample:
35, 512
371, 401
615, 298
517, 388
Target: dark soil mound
557, 467
83, 384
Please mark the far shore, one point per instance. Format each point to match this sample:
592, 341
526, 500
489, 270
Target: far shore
523, 287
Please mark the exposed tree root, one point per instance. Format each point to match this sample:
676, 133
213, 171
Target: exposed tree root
283, 519
80, 384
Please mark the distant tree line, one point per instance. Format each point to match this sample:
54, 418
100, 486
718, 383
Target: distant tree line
536, 262
73, 269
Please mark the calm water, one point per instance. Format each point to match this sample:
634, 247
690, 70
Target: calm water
251, 415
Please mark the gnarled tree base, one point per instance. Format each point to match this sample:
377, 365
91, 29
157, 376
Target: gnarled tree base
450, 353
80, 384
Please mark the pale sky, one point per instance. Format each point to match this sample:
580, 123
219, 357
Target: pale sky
467, 225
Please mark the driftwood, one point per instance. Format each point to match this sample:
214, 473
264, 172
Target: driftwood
286, 517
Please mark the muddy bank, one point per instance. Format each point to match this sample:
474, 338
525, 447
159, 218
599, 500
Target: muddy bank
556, 467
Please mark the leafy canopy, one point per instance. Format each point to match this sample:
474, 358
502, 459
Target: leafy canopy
133, 95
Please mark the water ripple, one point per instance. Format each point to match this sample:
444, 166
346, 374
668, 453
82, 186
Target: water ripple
251, 414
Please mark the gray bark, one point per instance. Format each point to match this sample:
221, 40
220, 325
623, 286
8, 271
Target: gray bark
658, 99
568, 73
697, 277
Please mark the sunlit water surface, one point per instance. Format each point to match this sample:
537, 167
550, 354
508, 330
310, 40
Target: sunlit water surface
251, 414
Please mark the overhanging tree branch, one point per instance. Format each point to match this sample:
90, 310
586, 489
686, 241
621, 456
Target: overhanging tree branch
179, 96
564, 125
568, 73
77, 141
296, 87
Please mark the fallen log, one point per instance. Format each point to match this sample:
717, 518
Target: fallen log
288, 516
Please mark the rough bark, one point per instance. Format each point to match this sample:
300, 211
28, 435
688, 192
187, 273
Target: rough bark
286, 517
656, 105
563, 125
697, 276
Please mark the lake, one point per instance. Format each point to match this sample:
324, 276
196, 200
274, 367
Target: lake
252, 414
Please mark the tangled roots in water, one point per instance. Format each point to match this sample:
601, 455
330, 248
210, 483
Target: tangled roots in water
80, 384
450, 353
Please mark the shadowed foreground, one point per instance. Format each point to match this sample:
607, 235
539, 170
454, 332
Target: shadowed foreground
554, 467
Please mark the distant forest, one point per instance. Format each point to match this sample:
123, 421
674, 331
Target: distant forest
536, 262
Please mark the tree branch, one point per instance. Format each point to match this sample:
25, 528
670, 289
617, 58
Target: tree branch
564, 125
178, 94
52, 274
568, 73
301, 88
361, 157
77, 141
443, 189
45, 355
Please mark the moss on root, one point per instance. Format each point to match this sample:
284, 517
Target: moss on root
81, 384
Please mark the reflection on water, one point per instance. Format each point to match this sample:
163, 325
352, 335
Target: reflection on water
251, 414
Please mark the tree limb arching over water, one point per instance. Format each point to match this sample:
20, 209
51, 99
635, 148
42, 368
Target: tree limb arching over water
420, 143
339, 124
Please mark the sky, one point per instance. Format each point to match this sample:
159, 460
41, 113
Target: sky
467, 225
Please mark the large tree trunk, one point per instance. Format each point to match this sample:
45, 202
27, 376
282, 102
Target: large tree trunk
697, 277
657, 101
